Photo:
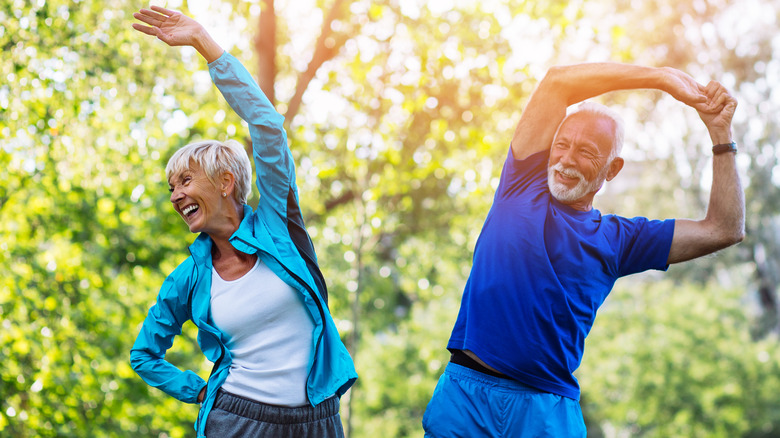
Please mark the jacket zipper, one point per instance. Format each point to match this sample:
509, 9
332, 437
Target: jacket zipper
219, 342
308, 289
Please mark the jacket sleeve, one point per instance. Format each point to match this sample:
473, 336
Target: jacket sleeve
162, 324
273, 160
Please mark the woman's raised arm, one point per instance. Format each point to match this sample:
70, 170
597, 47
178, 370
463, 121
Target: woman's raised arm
175, 29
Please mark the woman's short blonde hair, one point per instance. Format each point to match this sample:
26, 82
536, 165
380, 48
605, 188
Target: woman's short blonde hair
216, 158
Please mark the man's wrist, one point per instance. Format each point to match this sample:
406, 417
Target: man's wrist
664, 78
720, 136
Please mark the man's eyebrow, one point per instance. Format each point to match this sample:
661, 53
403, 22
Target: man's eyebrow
589, 144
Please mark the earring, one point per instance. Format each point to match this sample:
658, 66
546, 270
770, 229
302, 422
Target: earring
224, 194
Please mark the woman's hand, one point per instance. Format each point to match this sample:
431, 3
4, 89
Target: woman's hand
175, 29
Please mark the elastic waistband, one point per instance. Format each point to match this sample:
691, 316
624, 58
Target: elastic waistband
460, 371
461, 358
266, 413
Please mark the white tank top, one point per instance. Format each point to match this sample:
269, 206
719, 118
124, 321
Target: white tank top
269, 333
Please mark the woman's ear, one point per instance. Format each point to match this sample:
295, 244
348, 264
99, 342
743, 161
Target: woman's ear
227, 183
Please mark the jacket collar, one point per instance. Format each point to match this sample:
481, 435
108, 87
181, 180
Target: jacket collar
201, 249
244, 239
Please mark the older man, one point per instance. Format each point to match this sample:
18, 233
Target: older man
546, 260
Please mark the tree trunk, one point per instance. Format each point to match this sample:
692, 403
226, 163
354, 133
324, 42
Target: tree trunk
327, 46
265, 46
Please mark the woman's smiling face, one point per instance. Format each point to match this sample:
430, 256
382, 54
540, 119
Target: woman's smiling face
195, 198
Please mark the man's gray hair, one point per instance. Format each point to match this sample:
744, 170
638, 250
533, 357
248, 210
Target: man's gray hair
600, 110
216, 158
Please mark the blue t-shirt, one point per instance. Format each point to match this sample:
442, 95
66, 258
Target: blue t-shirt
541, 270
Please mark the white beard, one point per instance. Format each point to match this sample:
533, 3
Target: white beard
567, 195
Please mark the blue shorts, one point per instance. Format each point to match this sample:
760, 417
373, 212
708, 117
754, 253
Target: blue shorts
468, 404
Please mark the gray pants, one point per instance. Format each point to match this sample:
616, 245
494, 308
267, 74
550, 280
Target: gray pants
235, 416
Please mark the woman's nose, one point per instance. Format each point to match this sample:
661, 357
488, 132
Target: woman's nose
176, 195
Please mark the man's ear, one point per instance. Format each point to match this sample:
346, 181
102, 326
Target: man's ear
614, 168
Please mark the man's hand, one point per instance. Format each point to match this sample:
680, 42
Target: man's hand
175, 29
685, 89
718, 121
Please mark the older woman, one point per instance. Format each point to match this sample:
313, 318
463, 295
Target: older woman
251, 285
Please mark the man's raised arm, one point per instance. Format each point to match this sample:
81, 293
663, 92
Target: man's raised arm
724, 223
567, 85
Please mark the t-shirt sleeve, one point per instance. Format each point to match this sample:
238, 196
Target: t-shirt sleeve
645, 244
518, 176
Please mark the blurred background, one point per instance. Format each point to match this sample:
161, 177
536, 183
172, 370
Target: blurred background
399, 115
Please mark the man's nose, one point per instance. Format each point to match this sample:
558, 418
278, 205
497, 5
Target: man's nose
567, 159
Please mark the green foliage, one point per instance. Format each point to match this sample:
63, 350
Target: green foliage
82, 117
399, 147
670, 360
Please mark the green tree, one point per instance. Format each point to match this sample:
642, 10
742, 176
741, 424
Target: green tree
426, 110
399, 115
677, 360
87, 113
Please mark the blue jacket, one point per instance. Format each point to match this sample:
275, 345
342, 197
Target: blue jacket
275, 232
